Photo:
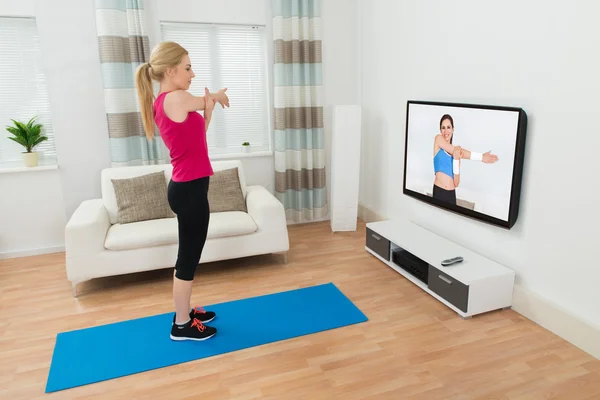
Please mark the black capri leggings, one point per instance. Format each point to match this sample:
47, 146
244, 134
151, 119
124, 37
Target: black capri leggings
189, 200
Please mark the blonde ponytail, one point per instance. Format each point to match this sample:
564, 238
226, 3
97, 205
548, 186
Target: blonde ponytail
165, 55
145, 92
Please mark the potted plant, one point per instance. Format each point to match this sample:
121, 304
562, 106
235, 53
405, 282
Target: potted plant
246, 147
27, 135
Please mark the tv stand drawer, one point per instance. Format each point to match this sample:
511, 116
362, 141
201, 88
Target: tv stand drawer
378, 244
455, 292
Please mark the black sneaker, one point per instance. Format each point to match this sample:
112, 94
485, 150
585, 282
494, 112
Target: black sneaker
192, 330
201, 314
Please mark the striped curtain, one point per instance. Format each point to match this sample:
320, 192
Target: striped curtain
123, 45
299, 138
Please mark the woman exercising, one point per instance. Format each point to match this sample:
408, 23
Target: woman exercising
446, 161
183, 131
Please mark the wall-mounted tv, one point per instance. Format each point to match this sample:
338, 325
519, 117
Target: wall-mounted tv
466, 158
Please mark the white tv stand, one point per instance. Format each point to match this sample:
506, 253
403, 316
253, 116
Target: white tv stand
474, 286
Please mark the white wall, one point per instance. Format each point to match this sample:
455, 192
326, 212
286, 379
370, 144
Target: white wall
32, 215
540, 56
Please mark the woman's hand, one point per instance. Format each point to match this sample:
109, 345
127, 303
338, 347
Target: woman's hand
221, 98
489, 158
457, 153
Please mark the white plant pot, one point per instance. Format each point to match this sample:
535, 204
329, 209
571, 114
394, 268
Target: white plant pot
31, 159
245, 149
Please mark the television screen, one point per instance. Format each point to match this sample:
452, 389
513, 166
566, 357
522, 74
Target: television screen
466, 158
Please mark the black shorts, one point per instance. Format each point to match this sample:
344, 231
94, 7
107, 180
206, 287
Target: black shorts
448, 196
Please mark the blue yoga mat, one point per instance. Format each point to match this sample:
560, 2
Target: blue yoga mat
110, 351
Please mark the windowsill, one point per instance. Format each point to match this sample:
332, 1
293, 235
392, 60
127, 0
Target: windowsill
19, 166
235, 156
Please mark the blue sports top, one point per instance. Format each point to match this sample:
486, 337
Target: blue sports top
442, 162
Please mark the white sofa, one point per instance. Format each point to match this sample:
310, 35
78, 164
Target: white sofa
98, 246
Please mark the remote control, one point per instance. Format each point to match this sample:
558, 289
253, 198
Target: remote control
451, 261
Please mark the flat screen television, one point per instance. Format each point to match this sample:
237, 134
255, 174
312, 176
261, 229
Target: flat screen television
466, 158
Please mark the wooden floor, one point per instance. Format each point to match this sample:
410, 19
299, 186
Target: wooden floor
412, 347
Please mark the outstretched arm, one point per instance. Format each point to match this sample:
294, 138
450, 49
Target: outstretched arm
190, 103
487, 157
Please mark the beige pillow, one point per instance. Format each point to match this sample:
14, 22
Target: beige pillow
142, 198
225, 192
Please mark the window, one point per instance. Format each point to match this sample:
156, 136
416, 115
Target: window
232, 57
23, 91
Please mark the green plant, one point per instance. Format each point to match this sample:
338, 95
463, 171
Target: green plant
27, 135
246, 144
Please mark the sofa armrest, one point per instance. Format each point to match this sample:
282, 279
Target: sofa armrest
265, 209
86, 230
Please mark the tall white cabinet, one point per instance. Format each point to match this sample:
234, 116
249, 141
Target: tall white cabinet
345, 166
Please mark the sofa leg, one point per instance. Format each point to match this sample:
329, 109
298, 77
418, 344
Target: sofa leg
284, 256
74, 288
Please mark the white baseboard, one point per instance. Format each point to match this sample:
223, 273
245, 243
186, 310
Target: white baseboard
31, 252
543, 312
558, 321
368, 215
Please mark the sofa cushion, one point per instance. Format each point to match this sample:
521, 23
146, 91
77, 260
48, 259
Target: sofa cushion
161, 232
108, 190
221, 165
142, 198
225, 192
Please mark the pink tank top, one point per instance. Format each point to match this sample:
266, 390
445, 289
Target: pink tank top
186, 142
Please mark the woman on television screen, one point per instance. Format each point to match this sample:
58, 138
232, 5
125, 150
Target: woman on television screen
446, 161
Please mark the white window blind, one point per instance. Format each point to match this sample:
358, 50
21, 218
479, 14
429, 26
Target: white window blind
23, 91
230, 56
